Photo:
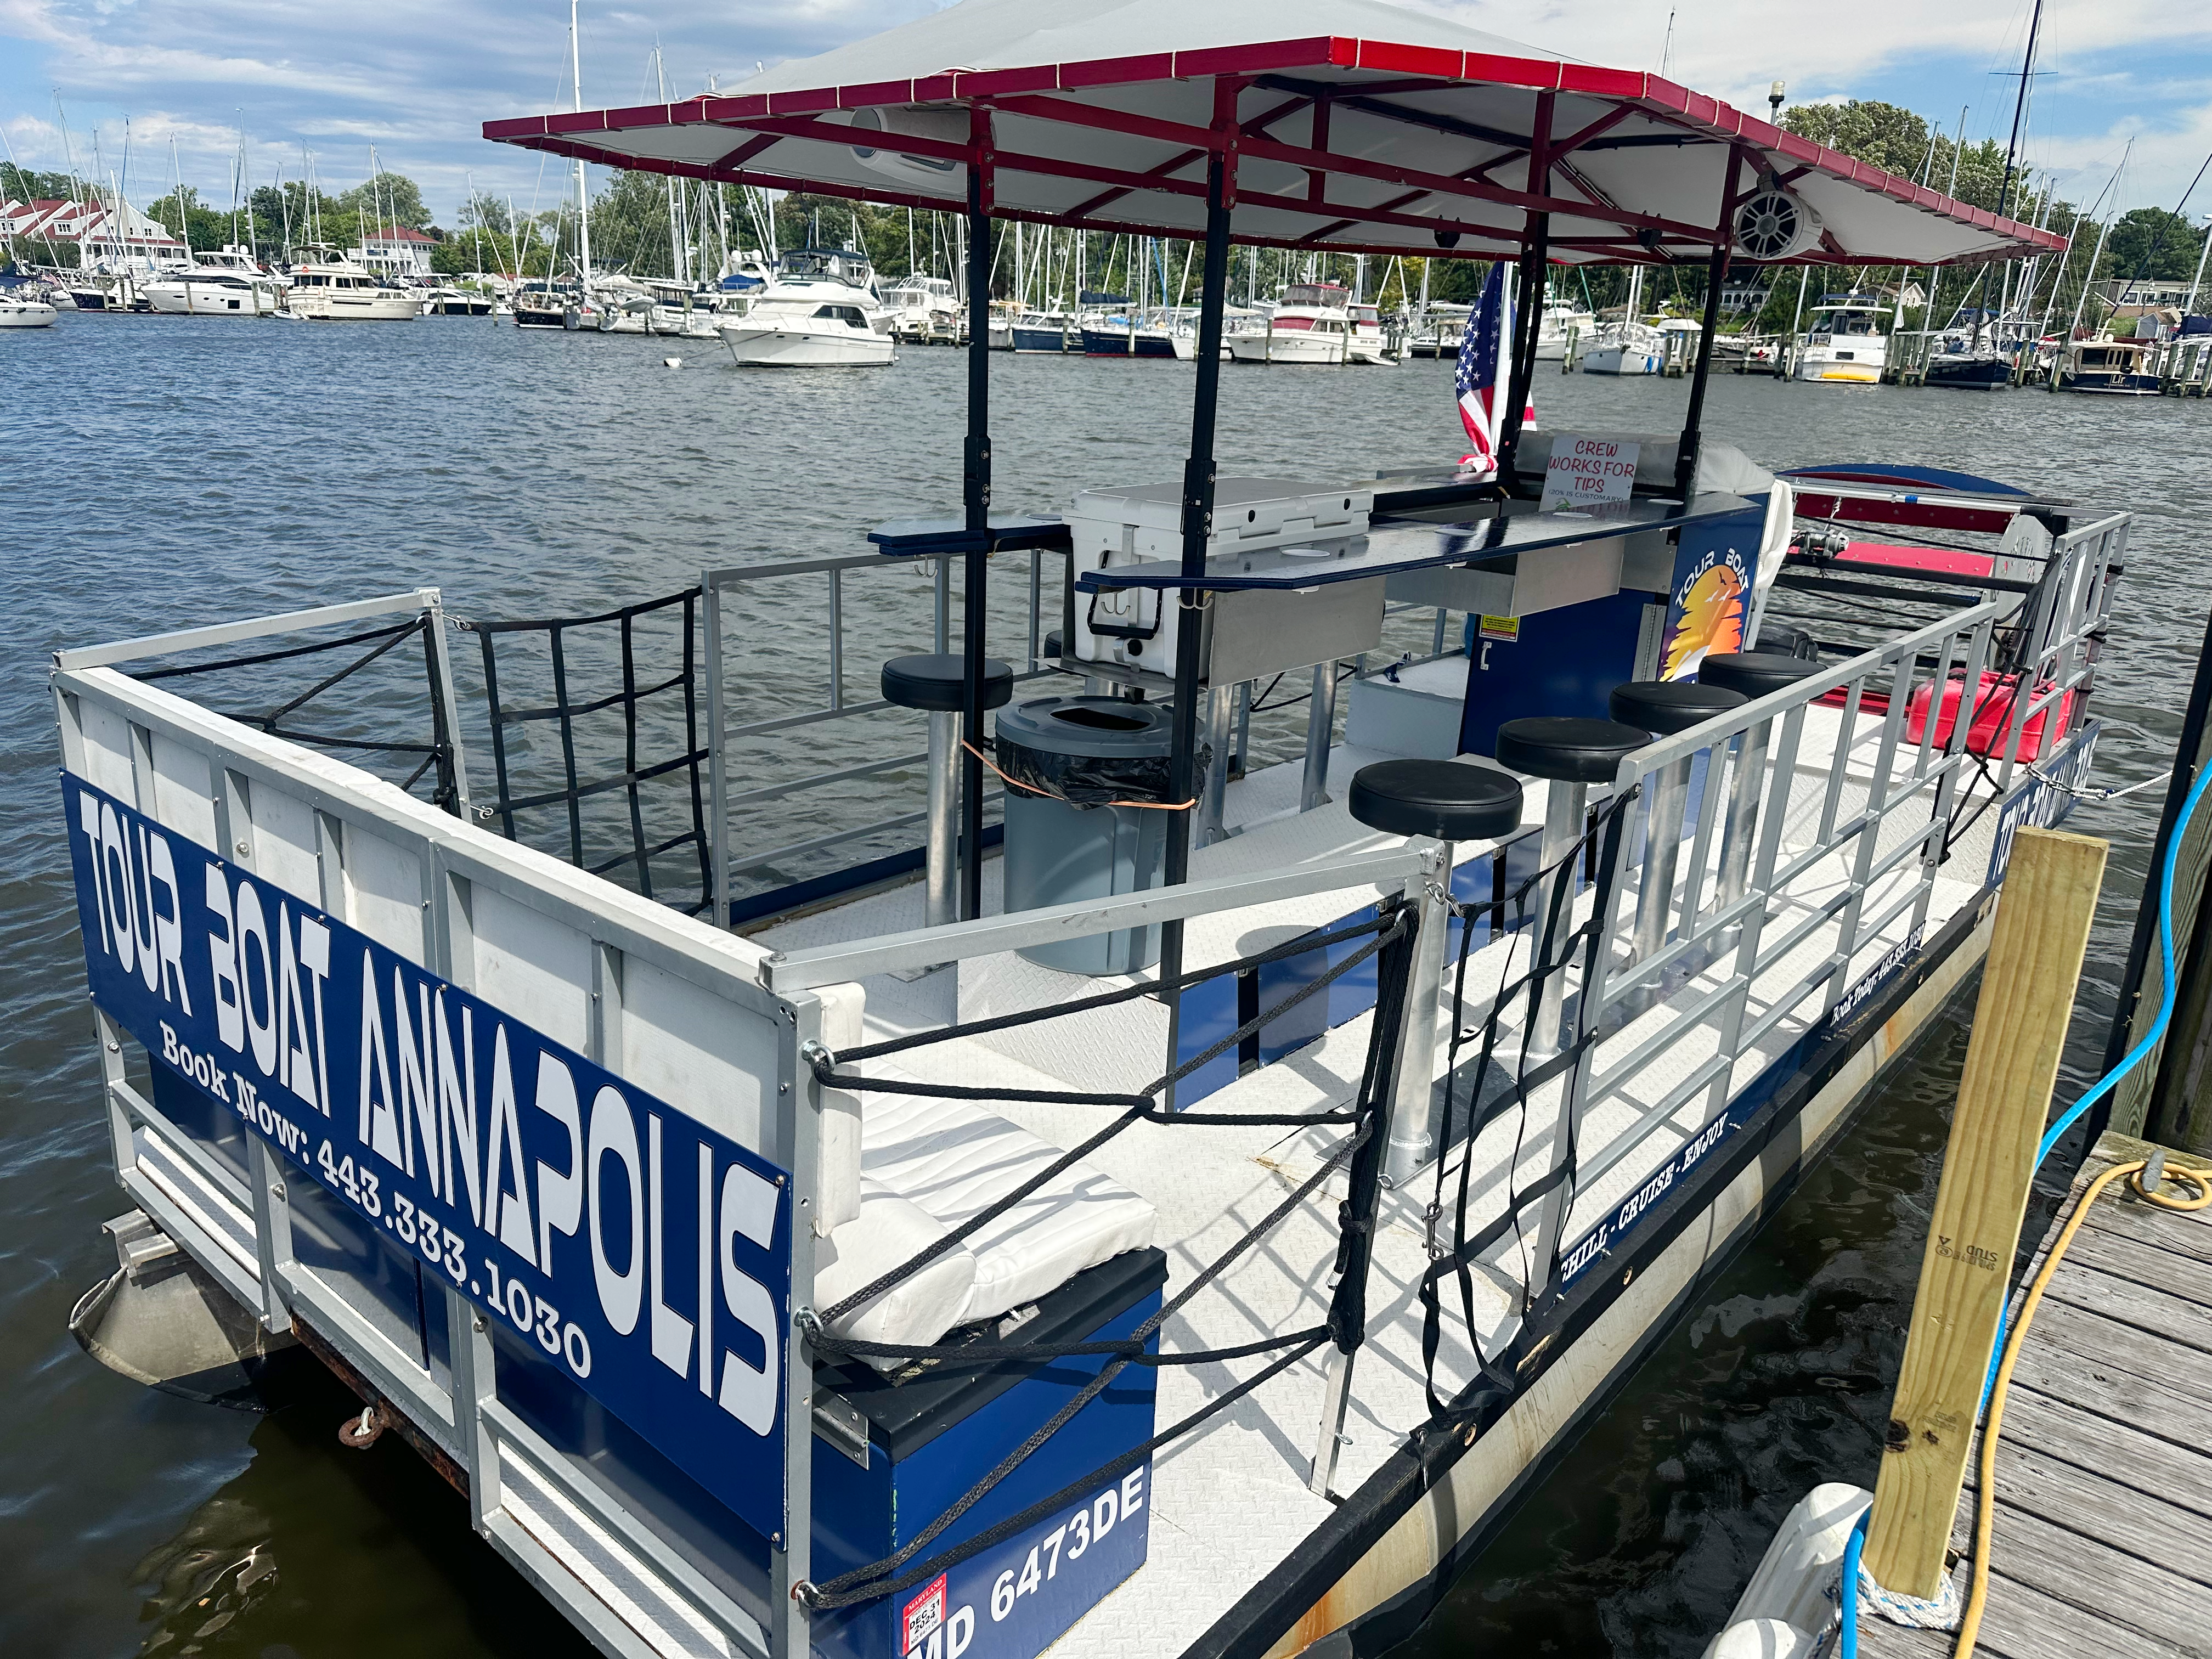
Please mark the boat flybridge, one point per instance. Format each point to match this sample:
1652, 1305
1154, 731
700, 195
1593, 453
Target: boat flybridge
1066, 1178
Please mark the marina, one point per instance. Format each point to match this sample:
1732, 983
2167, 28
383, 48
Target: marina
989, 1052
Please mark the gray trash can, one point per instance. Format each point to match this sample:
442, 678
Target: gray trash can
1066, 839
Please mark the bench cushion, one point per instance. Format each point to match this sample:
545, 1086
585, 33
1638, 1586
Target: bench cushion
953, 1158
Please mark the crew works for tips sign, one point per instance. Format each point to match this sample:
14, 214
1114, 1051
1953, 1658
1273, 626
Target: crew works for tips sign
1586, 472
642, 1256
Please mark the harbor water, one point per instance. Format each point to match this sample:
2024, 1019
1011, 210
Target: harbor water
167, 472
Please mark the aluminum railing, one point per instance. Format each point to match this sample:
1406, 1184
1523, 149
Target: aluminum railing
715, 585
1824, 822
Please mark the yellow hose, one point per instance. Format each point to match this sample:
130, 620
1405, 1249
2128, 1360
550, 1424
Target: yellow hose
1970, 1622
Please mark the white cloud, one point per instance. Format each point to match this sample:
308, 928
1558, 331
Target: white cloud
418, 77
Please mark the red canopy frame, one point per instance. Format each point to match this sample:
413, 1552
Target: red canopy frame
1070, 122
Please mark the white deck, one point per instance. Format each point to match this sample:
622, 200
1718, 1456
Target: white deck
1230, 1501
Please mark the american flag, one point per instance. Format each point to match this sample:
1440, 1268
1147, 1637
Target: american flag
1486, 371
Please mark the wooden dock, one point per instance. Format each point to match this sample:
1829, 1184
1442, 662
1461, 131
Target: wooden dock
2103, 1531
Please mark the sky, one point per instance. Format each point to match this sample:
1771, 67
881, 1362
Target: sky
321, 83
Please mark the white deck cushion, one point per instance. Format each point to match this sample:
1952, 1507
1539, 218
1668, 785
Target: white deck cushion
888, 1230
953, 1158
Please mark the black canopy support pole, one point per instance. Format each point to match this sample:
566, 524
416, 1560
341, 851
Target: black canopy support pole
975, 500
1685, 455
1528, 319
1198, 512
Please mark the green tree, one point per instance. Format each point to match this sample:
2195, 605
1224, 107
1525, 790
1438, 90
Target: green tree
390, 198
199, 226
2151, 242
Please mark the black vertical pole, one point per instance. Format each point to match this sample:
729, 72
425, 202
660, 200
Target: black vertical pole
1685, 455
1197, 527
975, 500
1529, 319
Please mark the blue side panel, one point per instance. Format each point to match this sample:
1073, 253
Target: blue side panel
1013, 1600
1294, 1028
331, 1240
1564, 662
1209, 1014
1353, 993
201, 1116
547, 1399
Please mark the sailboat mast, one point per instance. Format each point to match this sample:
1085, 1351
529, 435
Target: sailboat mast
583, 200
2012, 150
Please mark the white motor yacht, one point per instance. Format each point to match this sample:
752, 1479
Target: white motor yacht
923, 308
226, 283
336, 290
820, 312
1844, 340
1311, 326
1560, 324
1368, 343
19, 310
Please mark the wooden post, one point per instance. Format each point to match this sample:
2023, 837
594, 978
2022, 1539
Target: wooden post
2004, 1099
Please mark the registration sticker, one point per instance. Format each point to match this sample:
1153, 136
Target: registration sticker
923, 1617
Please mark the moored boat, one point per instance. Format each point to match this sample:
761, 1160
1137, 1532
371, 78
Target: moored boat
1845, 341
821, 312
796, 1276
2114, 369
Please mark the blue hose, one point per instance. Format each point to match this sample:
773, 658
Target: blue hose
1847, 1643
1848, 1609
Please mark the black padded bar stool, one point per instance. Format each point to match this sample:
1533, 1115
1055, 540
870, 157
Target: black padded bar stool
932, 682
1755, 674
1663, 708
1452, 801
1572, 753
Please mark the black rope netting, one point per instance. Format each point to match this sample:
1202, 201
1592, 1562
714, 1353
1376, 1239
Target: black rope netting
1388, 941
1555, 954
595, 764
434, 758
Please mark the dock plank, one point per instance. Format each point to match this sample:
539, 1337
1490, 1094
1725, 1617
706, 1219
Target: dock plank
2038, 1473
2102, 1537
2118, 1370
2147, 1307
2143, 1262
2139, 1222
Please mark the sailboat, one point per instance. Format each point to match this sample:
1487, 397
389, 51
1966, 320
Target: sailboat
1630, 346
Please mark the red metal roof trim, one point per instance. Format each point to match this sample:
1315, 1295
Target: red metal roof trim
1647, 91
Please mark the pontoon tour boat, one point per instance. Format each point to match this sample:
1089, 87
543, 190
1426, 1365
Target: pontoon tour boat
1170, 1212
820, 312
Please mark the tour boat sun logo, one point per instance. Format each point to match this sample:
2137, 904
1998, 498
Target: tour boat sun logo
1708, 615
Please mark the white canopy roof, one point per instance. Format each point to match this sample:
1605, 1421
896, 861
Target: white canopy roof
1354, 127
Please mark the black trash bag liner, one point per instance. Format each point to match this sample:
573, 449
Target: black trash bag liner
1092, 779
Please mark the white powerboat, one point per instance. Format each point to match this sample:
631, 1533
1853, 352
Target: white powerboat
1560, 324
1844, 341
1368, 343
18, 312
226, 283
1313, 325
336, 290
820, 312
923, 309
